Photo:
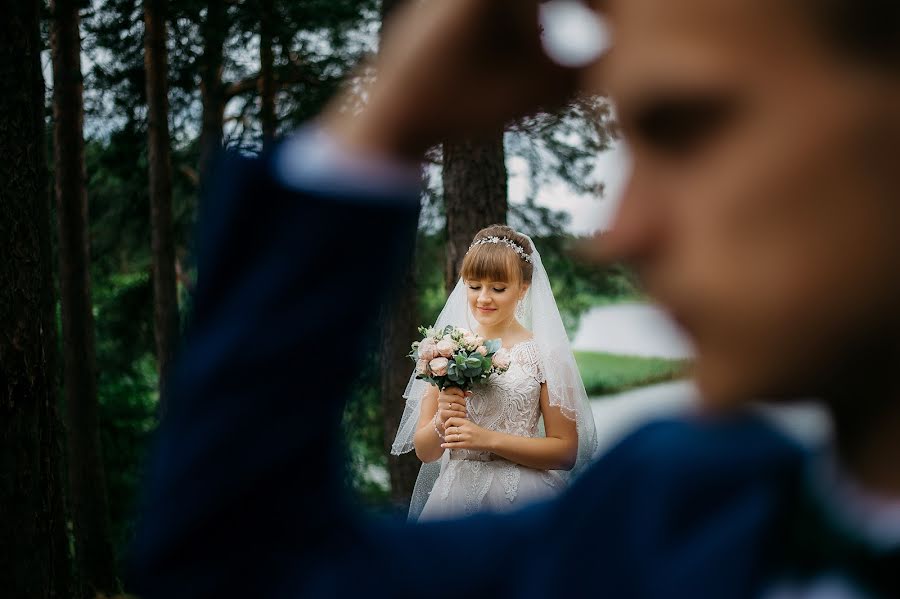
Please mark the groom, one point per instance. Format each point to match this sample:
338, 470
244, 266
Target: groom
761, 211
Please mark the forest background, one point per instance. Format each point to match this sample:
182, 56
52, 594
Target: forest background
117, 111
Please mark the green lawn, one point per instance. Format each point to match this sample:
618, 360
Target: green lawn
604, 374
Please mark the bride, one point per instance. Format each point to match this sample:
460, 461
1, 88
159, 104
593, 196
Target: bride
524, 433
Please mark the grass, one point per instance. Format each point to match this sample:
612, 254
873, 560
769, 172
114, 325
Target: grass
604, 374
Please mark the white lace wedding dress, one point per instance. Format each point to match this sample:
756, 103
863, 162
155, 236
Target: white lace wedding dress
463, 482
476, 481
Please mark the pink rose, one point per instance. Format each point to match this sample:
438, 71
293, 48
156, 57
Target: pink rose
427, 350
501, 359
445, 348
472, 341
482, 350
422, 367
439, 366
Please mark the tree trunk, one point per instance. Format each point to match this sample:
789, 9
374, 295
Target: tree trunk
475, 195
267, 89
399, 329
399, 324
165, 301
212, 88
34, 553
87, 484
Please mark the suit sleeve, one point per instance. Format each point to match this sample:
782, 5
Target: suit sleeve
243, 496
246, 459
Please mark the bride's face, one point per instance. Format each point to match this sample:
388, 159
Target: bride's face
493, 303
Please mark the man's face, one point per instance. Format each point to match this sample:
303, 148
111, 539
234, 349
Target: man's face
761, 208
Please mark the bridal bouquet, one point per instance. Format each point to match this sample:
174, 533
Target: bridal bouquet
456, 357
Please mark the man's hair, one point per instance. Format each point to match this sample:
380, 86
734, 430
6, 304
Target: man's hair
865, 30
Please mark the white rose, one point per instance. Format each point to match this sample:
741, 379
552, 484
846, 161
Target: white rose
446, 348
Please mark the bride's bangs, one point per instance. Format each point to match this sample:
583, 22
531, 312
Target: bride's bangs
488, 262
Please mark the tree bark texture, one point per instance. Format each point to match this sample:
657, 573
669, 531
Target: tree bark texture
399, 324
34, 550
165, 301
475, 195
400, 320
212, 88
94, 555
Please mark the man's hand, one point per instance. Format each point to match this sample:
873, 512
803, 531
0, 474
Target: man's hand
451, 69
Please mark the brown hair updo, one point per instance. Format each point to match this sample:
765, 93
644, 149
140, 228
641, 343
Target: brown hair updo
497, 261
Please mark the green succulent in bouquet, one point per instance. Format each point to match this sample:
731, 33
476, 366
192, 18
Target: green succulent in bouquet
456, 357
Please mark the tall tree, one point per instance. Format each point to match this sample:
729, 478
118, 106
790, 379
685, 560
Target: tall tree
212, 89
399, 323
475, 195
34, 555
165, 300
268, 115
87, 484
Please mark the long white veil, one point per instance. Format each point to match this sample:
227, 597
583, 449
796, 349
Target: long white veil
564, 385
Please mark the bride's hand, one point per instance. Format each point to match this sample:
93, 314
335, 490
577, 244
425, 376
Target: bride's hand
451, 403
460, 433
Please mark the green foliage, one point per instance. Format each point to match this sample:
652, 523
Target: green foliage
317, 44
604, 374
127, 390
578, 286
316, 36
364, 437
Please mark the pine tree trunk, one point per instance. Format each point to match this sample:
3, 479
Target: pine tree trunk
34, 551
212, 89
165, 301
399, 324
87, 484
268, 116
475, 195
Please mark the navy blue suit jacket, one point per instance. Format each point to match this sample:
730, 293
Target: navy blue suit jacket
244, 495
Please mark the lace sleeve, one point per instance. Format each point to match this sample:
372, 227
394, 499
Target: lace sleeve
529, 356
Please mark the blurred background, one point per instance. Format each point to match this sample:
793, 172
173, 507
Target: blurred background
165, 85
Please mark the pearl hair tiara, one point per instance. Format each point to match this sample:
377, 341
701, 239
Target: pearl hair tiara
504, 241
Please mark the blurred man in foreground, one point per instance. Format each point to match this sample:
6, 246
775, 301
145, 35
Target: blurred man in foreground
761, 211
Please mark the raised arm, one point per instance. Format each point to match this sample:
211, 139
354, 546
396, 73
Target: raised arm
292, 273
247, 449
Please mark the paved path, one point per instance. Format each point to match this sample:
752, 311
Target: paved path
618, 415
636, 329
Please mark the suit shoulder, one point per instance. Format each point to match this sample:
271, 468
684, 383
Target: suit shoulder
692, 450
